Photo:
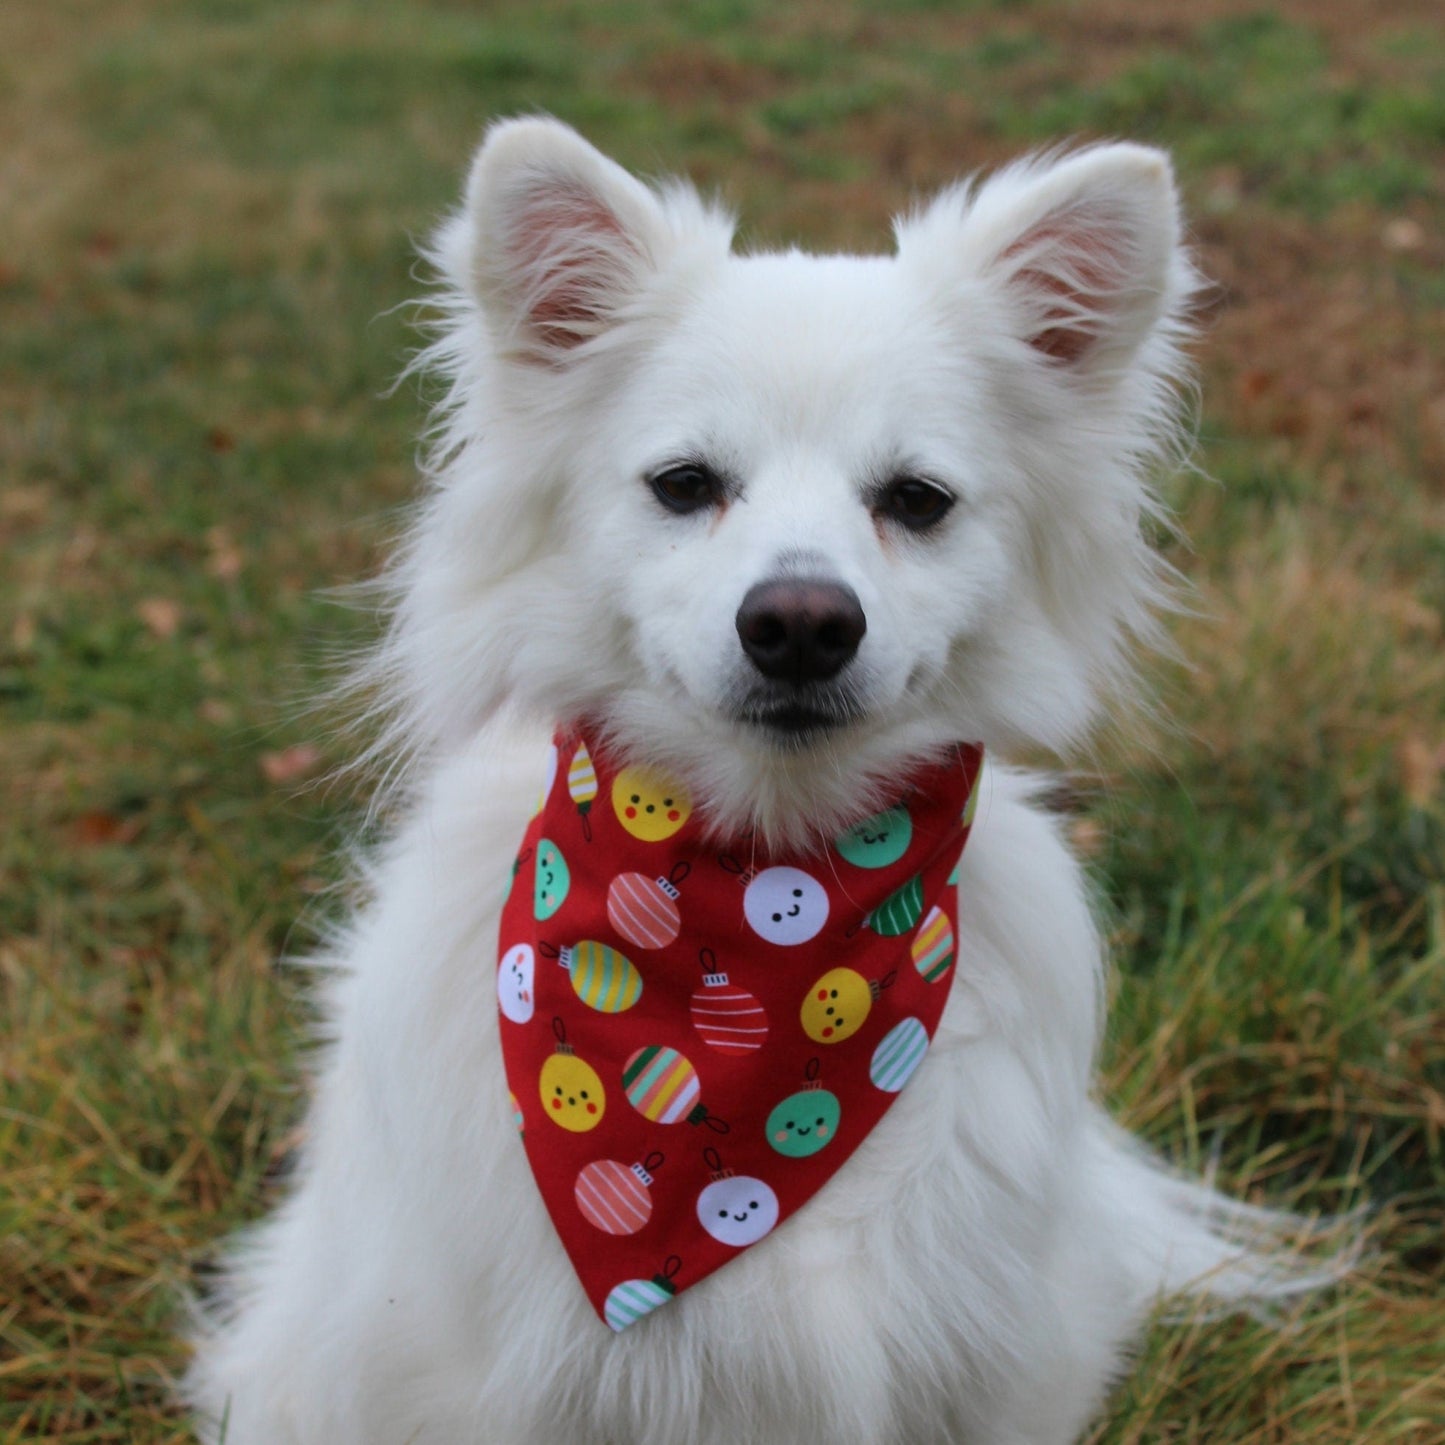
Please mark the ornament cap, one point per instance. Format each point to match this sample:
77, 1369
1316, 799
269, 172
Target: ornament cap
670, 1267
713, 1160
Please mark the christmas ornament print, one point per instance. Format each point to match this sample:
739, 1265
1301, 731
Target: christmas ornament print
899, 911
786, 906
582, 786
662, 1085
932, 947
648, 805
615, 1198
644, 910
877, 841
602, 977
572, 1094
737, 1210
805, 1122
728, 1018
627, 1302
660, 987
898, 1055
515, 973
839, 1003
550, 882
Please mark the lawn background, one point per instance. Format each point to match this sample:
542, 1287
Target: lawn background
207, 218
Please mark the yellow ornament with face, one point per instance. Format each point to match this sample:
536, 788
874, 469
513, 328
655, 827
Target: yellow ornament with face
837, 1006
572, 1094
651, 807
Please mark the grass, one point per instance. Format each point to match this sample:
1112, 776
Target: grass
209, 214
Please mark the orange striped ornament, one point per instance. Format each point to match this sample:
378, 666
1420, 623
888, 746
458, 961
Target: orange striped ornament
614, 1197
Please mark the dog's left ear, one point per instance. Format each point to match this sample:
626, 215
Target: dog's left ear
1084, 252
562, 239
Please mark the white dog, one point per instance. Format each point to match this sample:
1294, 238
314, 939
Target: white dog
782, 527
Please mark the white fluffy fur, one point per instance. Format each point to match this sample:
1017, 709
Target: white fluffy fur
976, 1272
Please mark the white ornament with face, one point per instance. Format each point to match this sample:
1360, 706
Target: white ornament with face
737, 1211
514, 983
785, 906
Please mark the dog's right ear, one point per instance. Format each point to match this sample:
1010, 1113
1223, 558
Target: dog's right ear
562, 239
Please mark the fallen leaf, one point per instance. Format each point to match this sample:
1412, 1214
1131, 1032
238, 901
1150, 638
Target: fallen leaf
160, 614
220, 440
291, 764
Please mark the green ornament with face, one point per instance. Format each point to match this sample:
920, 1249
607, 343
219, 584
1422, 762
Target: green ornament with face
551, 880
877, 841
804, 1123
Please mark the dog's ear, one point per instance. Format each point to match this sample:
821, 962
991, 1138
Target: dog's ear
1084, 250
561, 238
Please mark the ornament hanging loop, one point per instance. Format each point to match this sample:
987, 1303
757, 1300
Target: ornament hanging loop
701, 1116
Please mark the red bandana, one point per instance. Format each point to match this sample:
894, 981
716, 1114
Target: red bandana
698, 1036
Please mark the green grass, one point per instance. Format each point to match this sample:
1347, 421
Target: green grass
209, 215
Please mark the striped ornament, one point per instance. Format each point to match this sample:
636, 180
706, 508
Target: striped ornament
729, 1018
644, 910
933, 946
613, 1197
899, 1053
633, 1298
601, 977
899, 911
661, 1084
582, 786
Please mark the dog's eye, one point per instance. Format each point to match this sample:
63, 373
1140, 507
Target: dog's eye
917, 504
686, 488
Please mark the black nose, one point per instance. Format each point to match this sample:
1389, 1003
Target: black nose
800, 629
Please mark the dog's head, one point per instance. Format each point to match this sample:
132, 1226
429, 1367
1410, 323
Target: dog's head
785, 522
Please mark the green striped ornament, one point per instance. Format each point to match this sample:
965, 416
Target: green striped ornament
633, 1298
899, 1053
899, 911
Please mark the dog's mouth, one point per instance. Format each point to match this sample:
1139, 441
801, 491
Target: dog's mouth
794, 721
